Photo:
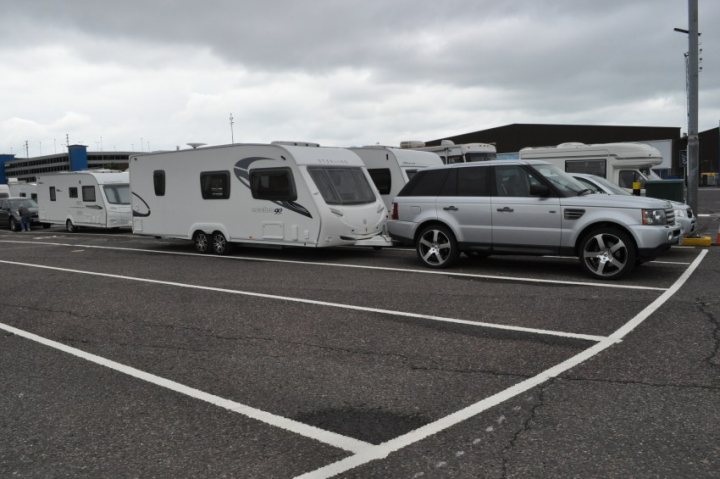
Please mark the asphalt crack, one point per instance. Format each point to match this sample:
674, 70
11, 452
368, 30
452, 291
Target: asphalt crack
705, 309
642, 383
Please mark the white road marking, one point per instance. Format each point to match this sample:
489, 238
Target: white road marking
359, 266
383, 450
327, 437
520, 329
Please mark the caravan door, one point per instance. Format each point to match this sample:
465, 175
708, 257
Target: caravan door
92, 210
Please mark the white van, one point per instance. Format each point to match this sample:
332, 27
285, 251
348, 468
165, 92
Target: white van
90, 198
620, 163
287, 194
450, 153
391, 168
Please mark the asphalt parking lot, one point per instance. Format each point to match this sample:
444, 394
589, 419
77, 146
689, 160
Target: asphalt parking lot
123, 356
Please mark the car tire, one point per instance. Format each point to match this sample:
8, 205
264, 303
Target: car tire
607, 253
436, 247
13, 224
220, 245
70, 227
201, 242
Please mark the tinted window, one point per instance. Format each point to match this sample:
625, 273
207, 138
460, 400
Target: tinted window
274, 184
88, 193
426, 183
512, 180
591, 167
473, 181
381, 178
72, 192
215, 185
52, 193
410, 173
342, 185
117, 194
159, 182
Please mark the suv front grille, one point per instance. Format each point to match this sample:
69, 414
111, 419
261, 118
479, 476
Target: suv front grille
670, 215
573, 214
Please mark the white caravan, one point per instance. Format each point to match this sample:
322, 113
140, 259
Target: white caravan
451, 153
391, 168
89, 198
286, 194
620, 163
22, 189
4, 191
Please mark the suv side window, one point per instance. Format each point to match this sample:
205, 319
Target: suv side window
514, 180
425, 183
468, 182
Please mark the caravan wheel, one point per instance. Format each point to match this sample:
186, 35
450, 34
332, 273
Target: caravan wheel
70, 227
219, 244
201, 242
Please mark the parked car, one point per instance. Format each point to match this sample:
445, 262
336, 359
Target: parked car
10, 216
528, 207
683, 213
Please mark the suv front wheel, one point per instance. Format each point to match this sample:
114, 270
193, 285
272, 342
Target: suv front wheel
607, 253
436, 246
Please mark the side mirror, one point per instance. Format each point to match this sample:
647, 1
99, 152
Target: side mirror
539, 190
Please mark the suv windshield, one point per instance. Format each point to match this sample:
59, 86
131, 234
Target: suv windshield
341, 185
117, 194
567, 185
27, 203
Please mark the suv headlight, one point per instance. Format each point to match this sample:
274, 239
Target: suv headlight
653, 217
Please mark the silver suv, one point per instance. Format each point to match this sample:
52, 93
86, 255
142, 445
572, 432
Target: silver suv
527, 207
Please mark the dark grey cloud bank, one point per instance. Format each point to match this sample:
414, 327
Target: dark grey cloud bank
543, 58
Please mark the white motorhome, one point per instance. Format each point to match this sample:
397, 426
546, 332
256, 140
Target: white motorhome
451, 153
22, 189
620, 163
286, 194
89, 198
391, 168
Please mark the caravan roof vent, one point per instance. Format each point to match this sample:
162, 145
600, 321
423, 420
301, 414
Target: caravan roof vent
296, 143
570, 144
446, 143
412, 144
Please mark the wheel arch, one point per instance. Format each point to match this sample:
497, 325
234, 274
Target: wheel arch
431, 222
603, 224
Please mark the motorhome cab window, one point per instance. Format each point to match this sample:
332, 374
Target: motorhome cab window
215, 185
52, 193
381, 178
342, 185
454, 159
590, 167
627, 177
88, 194
275, 184
117, 194
159, 182
476, 156
72, 192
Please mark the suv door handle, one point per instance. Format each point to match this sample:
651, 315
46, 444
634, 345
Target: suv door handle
450, 208
507, 209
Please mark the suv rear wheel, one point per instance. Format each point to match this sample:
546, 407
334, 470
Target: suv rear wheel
436, 246
607, 253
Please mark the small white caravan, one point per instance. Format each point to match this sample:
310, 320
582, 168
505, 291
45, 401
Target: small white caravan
451, 153
4, 191
22, 189
391, 168
619, 163
89, 198
287, 194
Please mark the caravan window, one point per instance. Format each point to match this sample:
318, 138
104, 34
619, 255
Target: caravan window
340, 185
215, 185
159, 182
72, 192
381, 178
117, 194
88, 194
275, 184
590, 167
52, 193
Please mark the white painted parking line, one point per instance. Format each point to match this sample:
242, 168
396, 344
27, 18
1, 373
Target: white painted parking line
573, 258
360, 266
321, 435
519, 329
383, 450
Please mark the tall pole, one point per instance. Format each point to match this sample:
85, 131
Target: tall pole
693, 150
232, 133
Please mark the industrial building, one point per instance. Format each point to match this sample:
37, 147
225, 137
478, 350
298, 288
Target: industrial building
76, 158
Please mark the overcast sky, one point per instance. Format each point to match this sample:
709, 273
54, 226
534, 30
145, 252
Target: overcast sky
153, 74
